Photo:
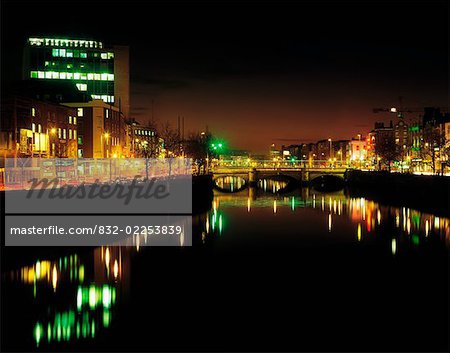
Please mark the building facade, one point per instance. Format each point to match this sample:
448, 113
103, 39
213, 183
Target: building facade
34, 128
98, 70
101, 130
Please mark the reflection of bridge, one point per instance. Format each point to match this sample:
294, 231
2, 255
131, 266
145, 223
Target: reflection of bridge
296, 172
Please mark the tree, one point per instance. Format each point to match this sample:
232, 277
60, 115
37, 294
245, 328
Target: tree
434, 145
171, 138
387, 150
195, 147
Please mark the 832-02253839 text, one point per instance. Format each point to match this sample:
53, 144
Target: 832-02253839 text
100, 230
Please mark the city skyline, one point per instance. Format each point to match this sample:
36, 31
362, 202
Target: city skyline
309, 77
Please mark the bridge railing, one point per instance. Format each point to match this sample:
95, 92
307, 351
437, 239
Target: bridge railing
269, 164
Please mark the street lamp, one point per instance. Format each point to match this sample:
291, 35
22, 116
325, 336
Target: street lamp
106, 136
329, 140
53, 132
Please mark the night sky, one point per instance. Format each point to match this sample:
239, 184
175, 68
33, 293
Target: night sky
258, 72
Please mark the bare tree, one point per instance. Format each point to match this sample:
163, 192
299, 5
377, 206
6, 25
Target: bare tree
388, 151
171, 138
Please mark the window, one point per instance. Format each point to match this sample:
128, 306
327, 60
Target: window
83, 76
39, 128
107, 113
76, 76
62, 75
64, 134
80, 140
62, 52
48, 74
55, 52
74, 134
69, 75
110, 77
41, 74
82, 86
70, 119
74, 120
80, 111
83, 55
55, 75
80, 153
59, 132
69, 54
70, 134
33, 127
90, 76
47, 63
104, 56
33, 112
110, 55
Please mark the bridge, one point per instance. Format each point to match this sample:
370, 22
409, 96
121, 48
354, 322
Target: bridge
299, 171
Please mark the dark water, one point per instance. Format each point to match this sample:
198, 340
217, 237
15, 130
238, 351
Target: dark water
302, 271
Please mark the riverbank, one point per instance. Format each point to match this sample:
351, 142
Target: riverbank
428, 193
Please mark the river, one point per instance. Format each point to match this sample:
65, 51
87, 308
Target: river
304, 270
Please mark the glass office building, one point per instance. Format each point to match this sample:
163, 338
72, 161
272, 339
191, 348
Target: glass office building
100, 71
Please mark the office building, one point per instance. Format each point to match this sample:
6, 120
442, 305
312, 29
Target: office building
100, 71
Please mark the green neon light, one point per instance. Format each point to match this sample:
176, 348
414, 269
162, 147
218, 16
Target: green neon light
56, 75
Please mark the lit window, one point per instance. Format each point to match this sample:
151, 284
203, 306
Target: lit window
69, 66
55, 75
62, 75
104, 77
97, 77
33, 112
69, 75
70, 134
83, 76
110, 55
55, 52
80, 140
48, 74
39, 128
76, 53
90, 76
69, 54
104, 55
70, 119
59, 132
62, 52
64, 134
107, 113
76, 76
83, 55
110, 77
34, 74
74, 134
41, 74
33, 127
80, 111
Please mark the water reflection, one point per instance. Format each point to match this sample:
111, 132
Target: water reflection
230, 183
272, 186
89, 291
236, 183
366, 217
76, 296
